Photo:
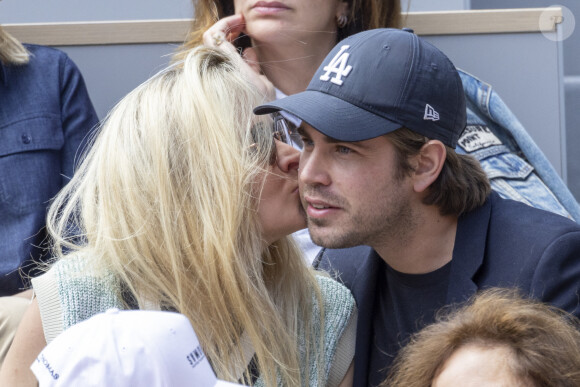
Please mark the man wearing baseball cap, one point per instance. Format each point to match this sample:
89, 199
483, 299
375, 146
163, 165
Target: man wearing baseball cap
381, 119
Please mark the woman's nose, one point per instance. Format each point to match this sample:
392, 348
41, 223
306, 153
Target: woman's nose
287, 157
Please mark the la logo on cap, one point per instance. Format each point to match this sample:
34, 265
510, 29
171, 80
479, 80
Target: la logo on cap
338, 66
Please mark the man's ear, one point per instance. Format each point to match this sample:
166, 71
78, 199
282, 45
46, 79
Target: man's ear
428, 164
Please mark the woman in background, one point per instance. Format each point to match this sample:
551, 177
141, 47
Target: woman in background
184, 203
287, 40
497, 339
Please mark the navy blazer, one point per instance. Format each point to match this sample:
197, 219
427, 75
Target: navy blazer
503, 243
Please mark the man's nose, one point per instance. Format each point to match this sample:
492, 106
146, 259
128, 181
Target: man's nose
313, 169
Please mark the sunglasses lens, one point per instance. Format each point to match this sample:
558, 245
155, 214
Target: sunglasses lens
286, 132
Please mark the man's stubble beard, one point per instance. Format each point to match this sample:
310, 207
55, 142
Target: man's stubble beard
391, 221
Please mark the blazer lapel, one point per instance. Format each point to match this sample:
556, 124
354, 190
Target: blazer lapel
468, 253
364, 290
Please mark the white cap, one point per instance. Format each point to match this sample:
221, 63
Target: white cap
126, 348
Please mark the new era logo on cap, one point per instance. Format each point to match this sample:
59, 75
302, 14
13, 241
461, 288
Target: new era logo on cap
430, 113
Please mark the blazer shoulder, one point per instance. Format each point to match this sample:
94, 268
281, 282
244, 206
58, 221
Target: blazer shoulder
342, 264
519, 218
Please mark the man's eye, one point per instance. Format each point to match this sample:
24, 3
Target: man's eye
306, 141
343, 150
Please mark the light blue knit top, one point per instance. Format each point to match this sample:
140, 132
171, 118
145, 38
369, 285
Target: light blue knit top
70, 292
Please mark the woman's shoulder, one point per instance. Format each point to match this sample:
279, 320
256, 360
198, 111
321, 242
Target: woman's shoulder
333, 290
338, 327
82, 274
339, 304
74, 268
49, 59
72, 291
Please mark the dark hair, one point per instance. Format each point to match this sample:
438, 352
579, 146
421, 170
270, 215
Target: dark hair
462, 185
543, 340
363, 15
370, 14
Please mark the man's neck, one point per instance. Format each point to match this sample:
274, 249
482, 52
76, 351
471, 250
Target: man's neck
428, 247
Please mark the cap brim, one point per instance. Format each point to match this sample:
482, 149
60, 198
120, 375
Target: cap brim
332, 116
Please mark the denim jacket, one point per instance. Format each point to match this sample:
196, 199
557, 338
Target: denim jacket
45, 116
515, 165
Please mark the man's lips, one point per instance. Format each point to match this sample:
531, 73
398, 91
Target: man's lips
318, 208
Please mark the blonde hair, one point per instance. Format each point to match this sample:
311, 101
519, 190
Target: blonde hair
166, 199
543, 340
11, 50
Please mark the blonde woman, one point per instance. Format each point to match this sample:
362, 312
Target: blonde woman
184, 203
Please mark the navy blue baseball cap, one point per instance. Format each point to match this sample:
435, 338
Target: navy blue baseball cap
378, 81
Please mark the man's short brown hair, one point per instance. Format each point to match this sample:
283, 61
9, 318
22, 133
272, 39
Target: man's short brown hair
462, 185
